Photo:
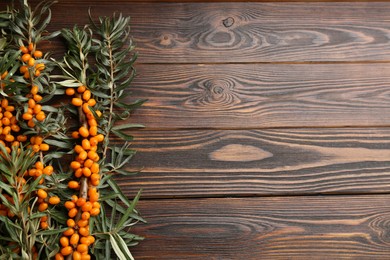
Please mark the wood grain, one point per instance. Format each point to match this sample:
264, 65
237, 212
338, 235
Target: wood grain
248, 32
263, 95
268, 162
332, 227
243, 32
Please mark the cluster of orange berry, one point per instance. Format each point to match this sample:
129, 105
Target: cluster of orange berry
76, 239
30, 65
9, 126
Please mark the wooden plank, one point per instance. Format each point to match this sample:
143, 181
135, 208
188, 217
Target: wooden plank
268, 162
246, 32
263, 95
243, 32
332, 227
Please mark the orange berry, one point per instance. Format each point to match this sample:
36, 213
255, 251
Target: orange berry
84, 131
92, 122
76, 255
48, 170
87, 206
85, 241
34, 90
15, 128
75, 135
82, 248
40, 66
88, 163
44, 225
70, 91
59, 256
81, 201
75, 165
37, 108
78, 149
10, 108
42, 194
38, 54
92, 191
86, 144
78, 173
94, 197
43, 206
87, 95
86, 172
85, 257
92, 102
54, 200
86, 110
83, 155
84, 231
27, 116
64, 241
70, 223
74, 198
68, 232
26, 75
8, 114
31, 123
37, 73
44, 147
73, 185
95, 211
95, 168
77, 102
93, 156
74, 239
70, 204
82, 223
30, 46
23, 49
100, 138
95, 177
39, 165
85, 215
81, 89
93, 131
40, 116
72, 213
93, 141
5, 121
4, 103
26, 57
31, 62
37, 98
9, 138
23, 69
66, 250
96, 205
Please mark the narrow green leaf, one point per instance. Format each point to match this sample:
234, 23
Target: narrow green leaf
127, 126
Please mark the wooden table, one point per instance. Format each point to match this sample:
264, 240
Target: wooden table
267, 127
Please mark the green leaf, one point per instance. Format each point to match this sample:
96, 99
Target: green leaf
121, 252
51, 232
122, 135
130, 210
127, 126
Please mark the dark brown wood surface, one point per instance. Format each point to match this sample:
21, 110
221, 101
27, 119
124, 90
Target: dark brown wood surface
207, 163
246, 32
232, 96
267, 127
330, 227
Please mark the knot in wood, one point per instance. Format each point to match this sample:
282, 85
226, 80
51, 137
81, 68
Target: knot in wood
228, 22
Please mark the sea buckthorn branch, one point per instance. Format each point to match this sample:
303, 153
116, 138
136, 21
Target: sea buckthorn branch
107, 80
26, 86
114, 62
